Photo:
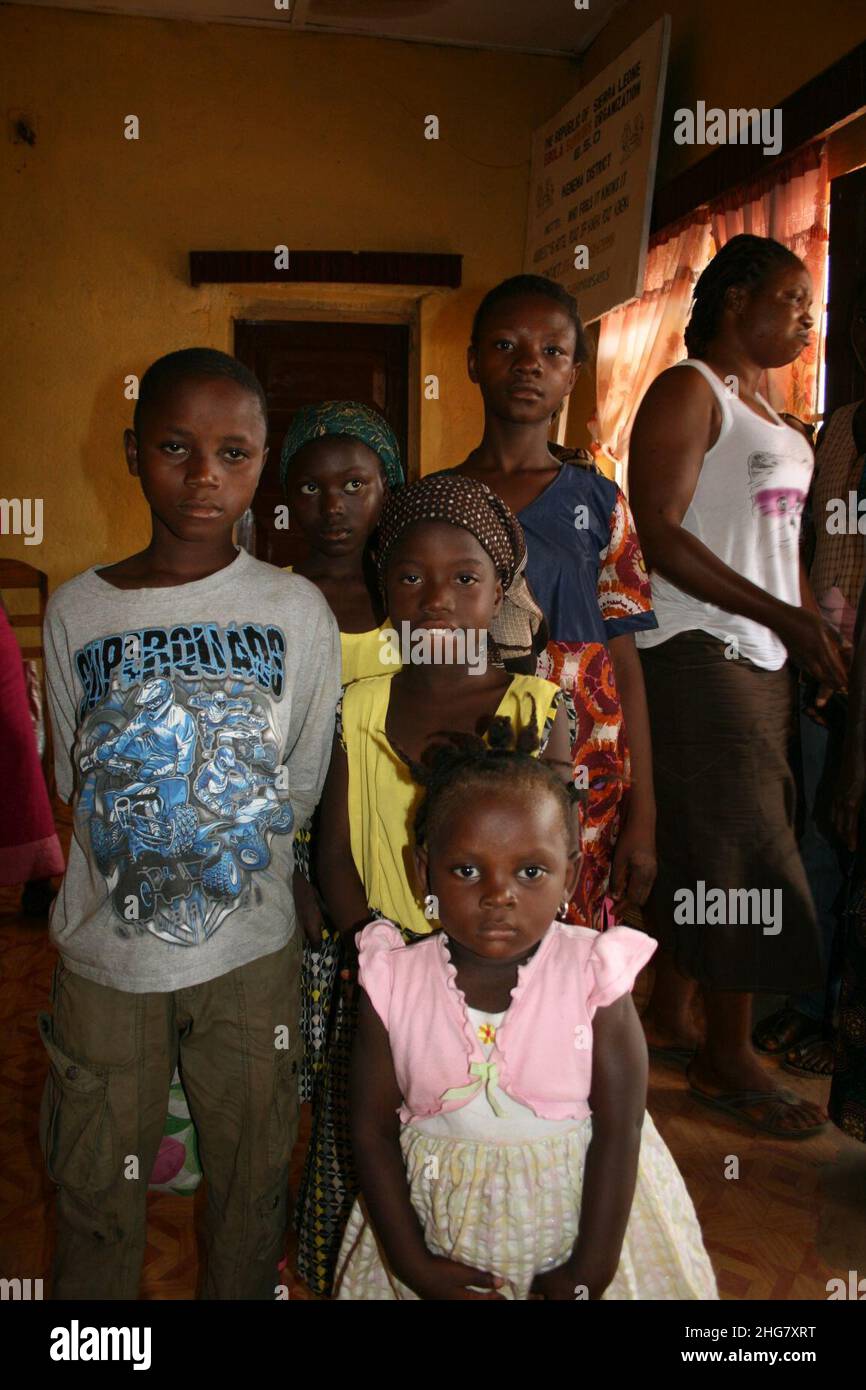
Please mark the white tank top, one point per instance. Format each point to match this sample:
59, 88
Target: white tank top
746, 508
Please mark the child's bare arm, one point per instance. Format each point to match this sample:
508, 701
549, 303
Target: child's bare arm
374, 1100
339, 881
618, 1102
634, 862
558, 749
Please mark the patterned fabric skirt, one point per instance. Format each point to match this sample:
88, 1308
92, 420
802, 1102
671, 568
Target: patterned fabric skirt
329, 1017
514, 1209
600, 753
847, 1104
319, 978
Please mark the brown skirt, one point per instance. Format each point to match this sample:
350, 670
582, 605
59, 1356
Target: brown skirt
731, 901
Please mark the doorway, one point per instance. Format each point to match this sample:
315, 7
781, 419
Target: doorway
300, 363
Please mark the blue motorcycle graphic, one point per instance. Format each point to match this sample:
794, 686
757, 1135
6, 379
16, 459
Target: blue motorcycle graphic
173, 868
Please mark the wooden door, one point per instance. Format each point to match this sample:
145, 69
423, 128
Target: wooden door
302, 363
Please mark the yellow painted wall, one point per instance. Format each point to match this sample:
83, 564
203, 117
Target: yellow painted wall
249, 138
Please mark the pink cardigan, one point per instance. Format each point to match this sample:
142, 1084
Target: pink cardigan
543, 1048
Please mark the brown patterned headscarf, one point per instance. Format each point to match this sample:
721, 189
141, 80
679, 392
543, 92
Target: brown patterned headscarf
470, 504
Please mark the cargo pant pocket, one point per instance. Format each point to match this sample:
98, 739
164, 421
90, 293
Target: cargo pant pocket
75, 1128
90, 1226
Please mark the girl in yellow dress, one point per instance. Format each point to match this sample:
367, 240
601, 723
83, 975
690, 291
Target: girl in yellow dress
338, 463
449, 557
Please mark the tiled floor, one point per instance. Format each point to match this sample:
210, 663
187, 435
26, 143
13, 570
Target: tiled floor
793, 1218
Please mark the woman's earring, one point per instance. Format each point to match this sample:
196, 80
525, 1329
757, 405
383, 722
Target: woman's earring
431, 906
563, 910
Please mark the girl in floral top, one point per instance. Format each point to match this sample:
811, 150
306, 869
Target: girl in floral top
585, 568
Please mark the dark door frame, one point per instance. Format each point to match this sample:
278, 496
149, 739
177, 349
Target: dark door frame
356, 305
844, 380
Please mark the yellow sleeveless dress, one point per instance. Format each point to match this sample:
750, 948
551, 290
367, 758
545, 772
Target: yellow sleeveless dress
383, 798
360, 651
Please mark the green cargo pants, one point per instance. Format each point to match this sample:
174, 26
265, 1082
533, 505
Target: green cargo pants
112, 1055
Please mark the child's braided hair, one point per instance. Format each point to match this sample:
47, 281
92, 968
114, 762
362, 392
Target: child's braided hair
502, 758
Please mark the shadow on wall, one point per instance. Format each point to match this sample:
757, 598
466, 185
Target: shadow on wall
105, 491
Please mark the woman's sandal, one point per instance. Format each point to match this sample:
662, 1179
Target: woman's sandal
813, 1058
737, 1104
785, 1029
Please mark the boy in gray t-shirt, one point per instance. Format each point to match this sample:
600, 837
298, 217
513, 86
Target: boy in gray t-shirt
192, 690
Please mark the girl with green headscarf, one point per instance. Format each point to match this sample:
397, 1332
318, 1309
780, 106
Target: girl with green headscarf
339, 461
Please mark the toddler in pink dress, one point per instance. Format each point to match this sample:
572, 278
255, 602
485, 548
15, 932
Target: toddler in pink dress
501, 1065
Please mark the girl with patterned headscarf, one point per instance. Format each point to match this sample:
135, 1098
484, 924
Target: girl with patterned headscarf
339, 461
450, 558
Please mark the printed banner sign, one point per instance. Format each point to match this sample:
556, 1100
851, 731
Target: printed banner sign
591, 184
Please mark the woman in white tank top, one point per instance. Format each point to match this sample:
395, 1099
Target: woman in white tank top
717, 484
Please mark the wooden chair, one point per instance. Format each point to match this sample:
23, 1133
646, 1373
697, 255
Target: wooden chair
16, 574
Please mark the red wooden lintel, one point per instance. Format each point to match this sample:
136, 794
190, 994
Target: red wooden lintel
326, 267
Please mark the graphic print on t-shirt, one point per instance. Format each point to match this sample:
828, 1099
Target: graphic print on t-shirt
783, 505
178, 765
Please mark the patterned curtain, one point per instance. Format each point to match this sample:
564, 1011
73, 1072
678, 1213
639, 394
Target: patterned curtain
643, 338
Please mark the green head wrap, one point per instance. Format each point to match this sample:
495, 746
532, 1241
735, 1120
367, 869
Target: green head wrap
343, 417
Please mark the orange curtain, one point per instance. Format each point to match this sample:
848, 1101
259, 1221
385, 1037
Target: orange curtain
643, 338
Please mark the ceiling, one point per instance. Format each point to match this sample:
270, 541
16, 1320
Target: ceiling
524, 26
